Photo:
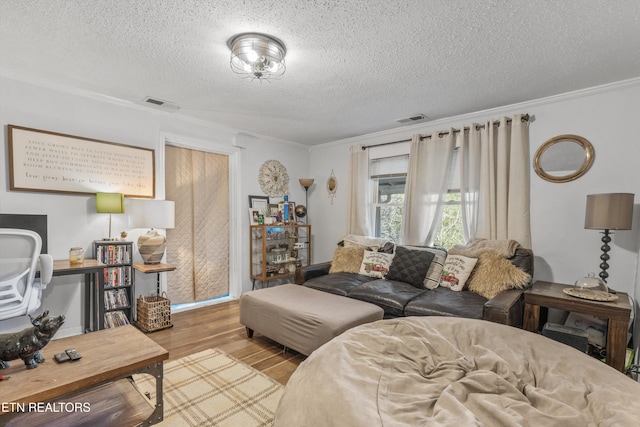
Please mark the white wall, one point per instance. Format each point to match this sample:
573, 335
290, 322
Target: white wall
564, 249
72, 219
606, 116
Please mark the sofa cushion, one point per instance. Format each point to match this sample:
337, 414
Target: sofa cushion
347, 260
410, 266
391, 295
445, 302
432, 279
338, 283
376, 264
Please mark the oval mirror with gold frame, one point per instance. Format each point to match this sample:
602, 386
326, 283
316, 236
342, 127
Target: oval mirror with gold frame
563, 158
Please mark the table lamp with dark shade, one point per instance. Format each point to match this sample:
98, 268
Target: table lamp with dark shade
111, 203
609, 211
145, 213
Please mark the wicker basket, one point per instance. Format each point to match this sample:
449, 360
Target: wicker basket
153, 313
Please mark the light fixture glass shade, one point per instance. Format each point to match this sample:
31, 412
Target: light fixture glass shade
153, 214
610, 211
257, 56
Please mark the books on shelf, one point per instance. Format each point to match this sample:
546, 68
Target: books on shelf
114, 254
117, 276
115, 298
113, 319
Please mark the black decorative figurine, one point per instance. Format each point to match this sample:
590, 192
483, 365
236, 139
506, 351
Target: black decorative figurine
26, 344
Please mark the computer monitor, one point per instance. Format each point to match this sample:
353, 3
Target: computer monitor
37, 223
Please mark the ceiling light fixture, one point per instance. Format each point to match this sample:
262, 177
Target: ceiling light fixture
257, 56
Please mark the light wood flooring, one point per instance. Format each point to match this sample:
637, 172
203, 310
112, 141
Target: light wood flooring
218, 326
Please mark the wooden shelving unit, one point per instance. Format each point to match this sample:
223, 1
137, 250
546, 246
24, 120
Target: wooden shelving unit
277, 250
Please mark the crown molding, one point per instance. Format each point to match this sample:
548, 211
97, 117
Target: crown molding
406, 131
70, 90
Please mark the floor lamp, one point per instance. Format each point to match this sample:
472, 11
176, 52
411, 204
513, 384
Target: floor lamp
306, 183
610, 211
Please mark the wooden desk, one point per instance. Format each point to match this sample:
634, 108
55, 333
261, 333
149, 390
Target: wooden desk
62, 267
107, 355
550, 295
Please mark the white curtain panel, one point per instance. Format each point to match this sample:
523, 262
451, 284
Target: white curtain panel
426, 188
494, 165
358, 214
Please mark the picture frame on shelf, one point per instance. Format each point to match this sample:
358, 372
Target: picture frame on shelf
254, 216
292, 211
259, 202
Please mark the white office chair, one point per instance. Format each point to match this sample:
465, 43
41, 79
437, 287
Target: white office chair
20, 290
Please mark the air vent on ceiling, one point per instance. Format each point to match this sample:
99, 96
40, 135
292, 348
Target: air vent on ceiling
413, 119
161, 104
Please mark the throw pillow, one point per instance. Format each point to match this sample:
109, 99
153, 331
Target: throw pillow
410, 266
376, 264
347, 260
456, 271
432, 279
494, 274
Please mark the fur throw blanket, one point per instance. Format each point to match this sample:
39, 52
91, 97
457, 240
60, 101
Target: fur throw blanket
493, 273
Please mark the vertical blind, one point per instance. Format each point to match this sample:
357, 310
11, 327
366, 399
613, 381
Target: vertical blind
198, 246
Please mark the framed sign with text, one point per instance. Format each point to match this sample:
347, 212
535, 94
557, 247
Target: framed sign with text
55, 162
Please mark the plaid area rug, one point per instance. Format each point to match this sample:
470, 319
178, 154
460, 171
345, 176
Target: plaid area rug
212, 388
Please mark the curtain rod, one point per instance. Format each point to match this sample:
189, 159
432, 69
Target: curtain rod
525, 118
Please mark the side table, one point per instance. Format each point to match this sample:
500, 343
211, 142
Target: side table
154, 268
543, 295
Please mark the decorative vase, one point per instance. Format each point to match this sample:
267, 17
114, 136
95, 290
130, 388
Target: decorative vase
152, 246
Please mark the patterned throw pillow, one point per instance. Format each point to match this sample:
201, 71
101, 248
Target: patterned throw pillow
347, 260
456, 271
376, 264
432, 279
410, 266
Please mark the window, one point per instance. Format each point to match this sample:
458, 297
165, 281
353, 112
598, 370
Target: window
388, 177
450, 232
388, 205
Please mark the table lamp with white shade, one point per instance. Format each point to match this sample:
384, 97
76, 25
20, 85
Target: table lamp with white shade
153, 214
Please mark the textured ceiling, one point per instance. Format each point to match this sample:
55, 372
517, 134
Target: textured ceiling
353, 66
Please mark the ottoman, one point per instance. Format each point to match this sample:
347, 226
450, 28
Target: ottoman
302, 318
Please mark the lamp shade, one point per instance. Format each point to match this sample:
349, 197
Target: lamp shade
306, 182
609, 211
111, 203
145, 213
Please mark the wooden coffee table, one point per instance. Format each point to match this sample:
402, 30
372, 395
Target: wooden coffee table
107, 355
